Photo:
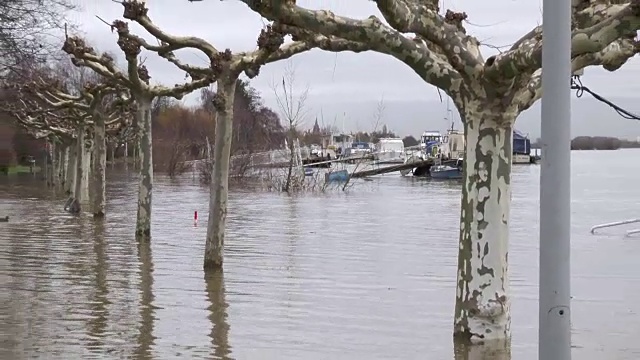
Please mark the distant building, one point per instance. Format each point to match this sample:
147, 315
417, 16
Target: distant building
316, 128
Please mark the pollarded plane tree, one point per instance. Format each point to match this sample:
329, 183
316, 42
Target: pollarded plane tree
489, 94
80, 124
116, 137
106, 106
136, 79
44, 122
225, 68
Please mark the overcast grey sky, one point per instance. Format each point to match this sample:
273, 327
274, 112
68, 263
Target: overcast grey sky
345, 87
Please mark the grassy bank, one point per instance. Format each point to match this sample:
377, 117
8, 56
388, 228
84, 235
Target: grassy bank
18, 169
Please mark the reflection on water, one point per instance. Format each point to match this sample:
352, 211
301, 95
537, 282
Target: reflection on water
99, 300
145, 328
365, 274
218, 315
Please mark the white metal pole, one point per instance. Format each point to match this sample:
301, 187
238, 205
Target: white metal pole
555, 184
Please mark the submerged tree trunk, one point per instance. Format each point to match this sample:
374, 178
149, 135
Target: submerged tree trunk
86, 165
482, 311
50, 155
292, 158
98, 191
56, 156
70, 184
58, 166
219, 187
493, 350
136, 150
76, 204
143, 222
64, 161
126, 154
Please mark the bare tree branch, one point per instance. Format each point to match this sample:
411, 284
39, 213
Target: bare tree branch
527, 56
611, 59
270, 44
380, 37
26, 27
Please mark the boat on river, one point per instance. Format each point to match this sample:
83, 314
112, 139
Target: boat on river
446, 172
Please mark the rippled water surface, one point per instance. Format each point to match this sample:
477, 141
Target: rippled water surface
365, 274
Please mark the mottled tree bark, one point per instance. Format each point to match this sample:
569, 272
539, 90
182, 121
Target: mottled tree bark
482, 294
145, 161
98, 191
219, 188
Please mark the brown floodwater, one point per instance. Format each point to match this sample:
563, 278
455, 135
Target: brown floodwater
369, 273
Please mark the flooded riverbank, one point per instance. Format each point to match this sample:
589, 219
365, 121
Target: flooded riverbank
365, 274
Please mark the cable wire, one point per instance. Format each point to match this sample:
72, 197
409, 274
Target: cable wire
576, 84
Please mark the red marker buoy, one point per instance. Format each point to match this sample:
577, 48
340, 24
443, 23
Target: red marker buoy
195, 218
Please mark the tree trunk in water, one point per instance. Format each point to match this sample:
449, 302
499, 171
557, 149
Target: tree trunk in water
136, 151
55, 164
51, 154
482, 311
143, 222
64, 161
58, 164
86, 167
80, 160
292, 157
219, 187
98, 191
72, 165
494, 350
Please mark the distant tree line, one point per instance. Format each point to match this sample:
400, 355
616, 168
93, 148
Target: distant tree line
601, 143
597, 143
180, 132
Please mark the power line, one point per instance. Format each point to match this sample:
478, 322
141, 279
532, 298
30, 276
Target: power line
576, 84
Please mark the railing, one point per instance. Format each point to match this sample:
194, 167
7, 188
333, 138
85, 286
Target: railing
618, 223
